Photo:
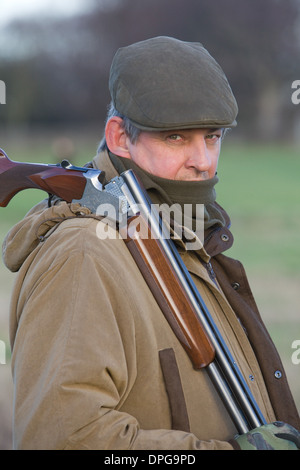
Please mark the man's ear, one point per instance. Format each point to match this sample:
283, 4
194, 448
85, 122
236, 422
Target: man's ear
116, 137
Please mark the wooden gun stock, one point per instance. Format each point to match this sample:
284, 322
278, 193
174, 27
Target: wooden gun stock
54, 179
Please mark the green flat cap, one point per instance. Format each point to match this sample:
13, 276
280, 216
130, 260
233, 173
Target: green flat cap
164, 84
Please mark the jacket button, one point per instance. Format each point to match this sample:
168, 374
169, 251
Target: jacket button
235, 285
278, 374
224, 237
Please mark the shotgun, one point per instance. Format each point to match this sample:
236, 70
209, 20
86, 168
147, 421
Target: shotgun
124, 201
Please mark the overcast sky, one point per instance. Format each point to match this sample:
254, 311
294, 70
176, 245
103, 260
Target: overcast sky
14, 9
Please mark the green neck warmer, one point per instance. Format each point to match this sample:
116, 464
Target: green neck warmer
171, 192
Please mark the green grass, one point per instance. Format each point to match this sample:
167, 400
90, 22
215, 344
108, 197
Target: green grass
260, 188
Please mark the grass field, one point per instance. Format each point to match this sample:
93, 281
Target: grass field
259, 186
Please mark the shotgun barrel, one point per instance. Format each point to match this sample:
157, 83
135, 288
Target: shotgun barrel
223, 370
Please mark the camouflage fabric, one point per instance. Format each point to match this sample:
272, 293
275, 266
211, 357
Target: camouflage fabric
274, 436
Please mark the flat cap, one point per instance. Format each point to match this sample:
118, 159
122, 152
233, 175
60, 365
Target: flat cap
163, 83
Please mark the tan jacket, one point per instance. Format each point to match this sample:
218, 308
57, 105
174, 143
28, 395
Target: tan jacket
95, 363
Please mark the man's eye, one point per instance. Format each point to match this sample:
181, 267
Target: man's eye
212, 136
174, 137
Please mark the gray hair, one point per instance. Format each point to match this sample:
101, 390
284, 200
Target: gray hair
130, 129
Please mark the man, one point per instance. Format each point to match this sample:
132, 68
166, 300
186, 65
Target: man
95, 363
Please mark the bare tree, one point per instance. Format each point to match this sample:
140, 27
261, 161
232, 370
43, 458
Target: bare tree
63, 74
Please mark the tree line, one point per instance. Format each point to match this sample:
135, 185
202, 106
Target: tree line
56, 70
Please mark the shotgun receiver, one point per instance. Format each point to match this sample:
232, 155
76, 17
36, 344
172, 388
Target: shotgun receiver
124, 200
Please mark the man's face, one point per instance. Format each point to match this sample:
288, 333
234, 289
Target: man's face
189, 155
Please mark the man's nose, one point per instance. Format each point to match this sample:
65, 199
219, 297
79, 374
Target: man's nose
198, 155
